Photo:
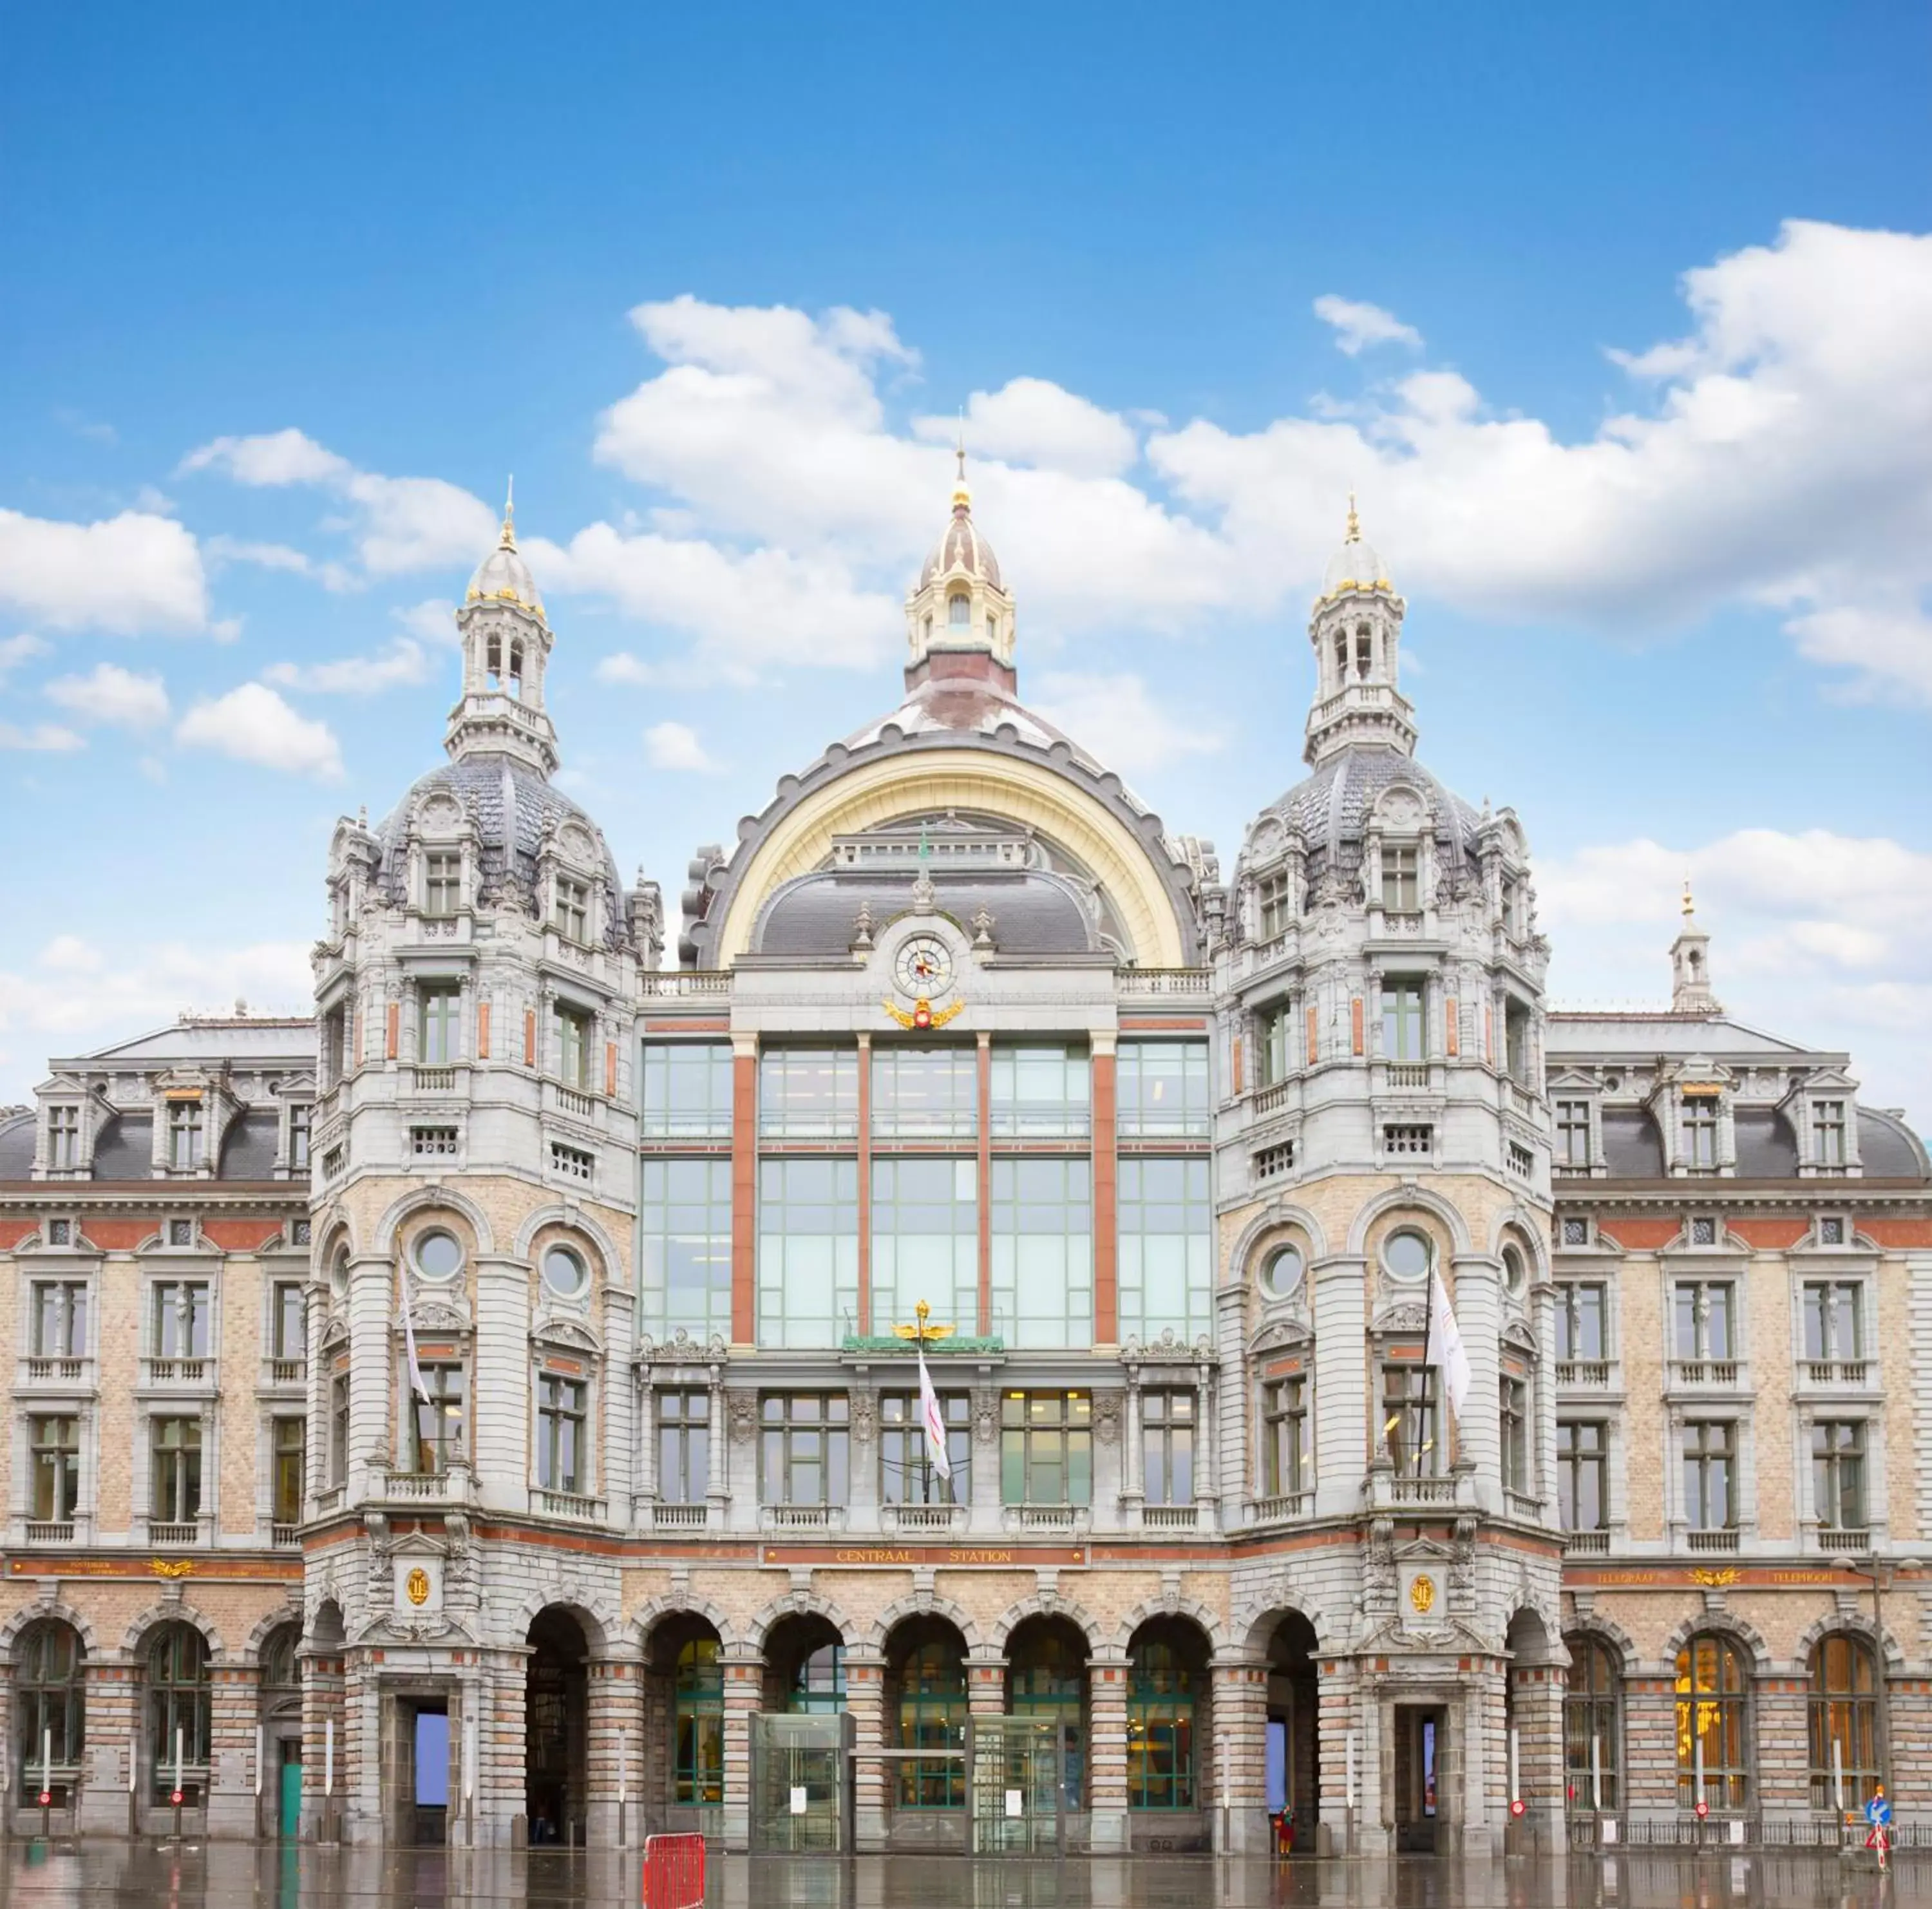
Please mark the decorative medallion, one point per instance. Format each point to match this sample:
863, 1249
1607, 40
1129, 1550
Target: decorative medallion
416, 1586
922, 1014
1422, 1595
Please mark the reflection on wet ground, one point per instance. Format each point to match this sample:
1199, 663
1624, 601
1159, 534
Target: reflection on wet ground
113, 1875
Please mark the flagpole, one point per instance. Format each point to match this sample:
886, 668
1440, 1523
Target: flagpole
1428, 1340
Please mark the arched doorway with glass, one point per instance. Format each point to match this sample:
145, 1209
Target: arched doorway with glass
177, 1695
1593, 1727
278, 1711
556, 1705
1293, 1748
801, 1768
926, 1713
1046, 1678
1170, 1704
1847, 1722
683, 1787
49, 1720
805, 1665
1714, 1750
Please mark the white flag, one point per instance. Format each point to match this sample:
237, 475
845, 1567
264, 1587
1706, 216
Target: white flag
1451, 1354
934, 1421
418, 1384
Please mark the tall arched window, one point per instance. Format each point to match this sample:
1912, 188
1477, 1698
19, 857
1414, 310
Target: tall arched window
932, 1716
698, 1689
177, 1713
1714, 1746
1046, 1679
818, 1680
48, 1706
959, 610
1844, 1723
1162, 1685
1592, 1726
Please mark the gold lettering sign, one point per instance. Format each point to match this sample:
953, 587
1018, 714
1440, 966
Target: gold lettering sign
416, 1586
1422, 1595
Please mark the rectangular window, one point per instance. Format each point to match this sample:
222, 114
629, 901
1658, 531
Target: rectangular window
1827, 1132
560, 1416
1412, 1420
1699, 1127
1516, 1042
1582, 1450
301, 1118
1042, 1242
334, 1040
1286, 1457
288, 1309
440, 1419
55, 1443
180, 1319
185, 1135
1838, 1475
808, 1251
290, 1448
1573, 1133
1706, 1327
1710, 1475
1046, 1448
684, 1234
925, 1093
442, 882
1274, 1043
1041, 1093
687, 1091
804, 1449
1580, 1307
1832, 1324
1401, 880
1163, 1088
1166, 1247
1514, 1405
63, 1139
1403, 1021
809, 1093
926, 1241
438, 1009
174, 1497
571, 1031
906, 1476
338, 1429
60, 1319
684, 1446
1167, 1447
570, 908
1272, 899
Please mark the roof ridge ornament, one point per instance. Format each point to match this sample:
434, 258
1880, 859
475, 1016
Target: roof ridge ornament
508, 539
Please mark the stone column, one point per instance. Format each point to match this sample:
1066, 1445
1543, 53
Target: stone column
1341, 1385
1233, 1771
744, 1693
985, 1479
615, 1754
866, 1704
1781, 1724
644, 1467
986, 1682
1543, 1398
1205, 1492
1106, 1192
623, 1459
1235, 1479
717, 1454
321, 1708
373, 1287
1133, 1464
1107, 1750
1342, 1731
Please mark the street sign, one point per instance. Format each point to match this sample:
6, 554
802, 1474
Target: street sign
1703, 1809
1517, 1806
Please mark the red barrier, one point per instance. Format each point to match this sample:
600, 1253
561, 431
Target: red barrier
674, 1872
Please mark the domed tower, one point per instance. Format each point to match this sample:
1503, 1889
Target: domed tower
475, 1150
1383, 1176
959, 618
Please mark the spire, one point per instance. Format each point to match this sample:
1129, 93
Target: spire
506, 643
1691, 965
1690, 907
1354, 531
960, 612
508, 539
1356, 630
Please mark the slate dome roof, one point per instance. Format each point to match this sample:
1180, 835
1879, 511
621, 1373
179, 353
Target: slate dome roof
1331, 808
963, 546
504, 577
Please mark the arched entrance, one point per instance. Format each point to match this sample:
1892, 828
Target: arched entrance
49, 1714
556, 1705
683, 1785
805, 1665
279, 1712
1170, 1722
1294, 1747
925, 1710
1046, 1678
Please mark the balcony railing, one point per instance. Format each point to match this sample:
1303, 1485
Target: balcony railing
1834, 1539
922, 1517
55, 1372
177, 1372
1279, 1507
679, 1517
693, 983
1722, 1540
451, 1486
285, 1537
1065, 1519
1408, 1073
1267, 1099
802, 1517
1585, 1375
1837, 1372
1422, 1491
42, 1530
578, 1106
1721, 1372
1586, 1544
287, 1372
174, 1532
1168, 1517
1167, 981
1522, 1505
569, 1505
432, 1080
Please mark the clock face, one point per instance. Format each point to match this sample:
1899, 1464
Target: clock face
924, 969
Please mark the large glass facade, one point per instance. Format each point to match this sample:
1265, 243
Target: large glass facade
686, 1090
925, 1093
926, 1241
809, 1093
684, 1232
808, 1251
1041, 1093
1166, 1248
1161, 1088
1042, 1242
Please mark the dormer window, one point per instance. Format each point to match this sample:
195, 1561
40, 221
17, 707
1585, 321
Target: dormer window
1827, 1132
63, 1139
570, 908
959, 610
185, 1135
442, 882
300, 1116
1699, 1130
1573, 1133
1401, 880
1271, 893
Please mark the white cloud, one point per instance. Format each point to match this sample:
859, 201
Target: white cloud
15, 650
252, 724
222, 549
1116, 718
1031, 421
128, 573
404, 661
111, 695
275, 458
48, 737
432, 621
1357, 326
675, 745
1825, 938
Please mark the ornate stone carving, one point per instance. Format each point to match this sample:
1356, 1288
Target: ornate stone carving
743, 1408
1107, 1417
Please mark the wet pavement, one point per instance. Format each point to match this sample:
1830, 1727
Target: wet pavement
116, 1875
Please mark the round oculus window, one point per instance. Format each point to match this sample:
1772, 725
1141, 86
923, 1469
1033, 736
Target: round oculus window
1281, 1271
564, 1272
438, 1256
338, 1273
1405, 1255
1513, 1275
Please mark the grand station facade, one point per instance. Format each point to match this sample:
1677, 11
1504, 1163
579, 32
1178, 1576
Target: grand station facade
488, 1412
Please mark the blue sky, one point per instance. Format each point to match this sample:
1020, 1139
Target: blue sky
1620, 320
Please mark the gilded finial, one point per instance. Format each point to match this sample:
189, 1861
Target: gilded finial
1355, 536
961, 495
510, 514
1689, 906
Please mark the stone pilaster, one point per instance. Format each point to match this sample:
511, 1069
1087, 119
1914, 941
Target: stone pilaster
744, 1693
866, 1704
1234, 1760
499, 1431
614, 1731
1341, 1386
1107, 1750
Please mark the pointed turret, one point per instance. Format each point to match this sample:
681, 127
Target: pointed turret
1356, 629
506, 643
1690, 966
959, 618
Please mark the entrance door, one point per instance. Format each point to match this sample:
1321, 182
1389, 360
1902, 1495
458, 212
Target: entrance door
1419, 1747
1016, 1784
800, 1768
289, 1821
432, 1775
